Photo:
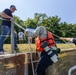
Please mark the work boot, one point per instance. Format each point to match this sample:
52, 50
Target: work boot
16, 49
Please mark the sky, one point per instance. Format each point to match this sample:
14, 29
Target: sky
64, 9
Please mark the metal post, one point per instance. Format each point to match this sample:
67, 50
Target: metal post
12, 37
71, 69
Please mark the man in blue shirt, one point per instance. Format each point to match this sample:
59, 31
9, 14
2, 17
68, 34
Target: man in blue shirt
6, 25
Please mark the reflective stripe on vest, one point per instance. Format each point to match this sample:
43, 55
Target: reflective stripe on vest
49, 51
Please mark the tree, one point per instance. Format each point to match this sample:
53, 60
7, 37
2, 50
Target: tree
52, 24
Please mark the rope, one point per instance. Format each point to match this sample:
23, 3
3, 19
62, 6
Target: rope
15, 24
19, 26
30, 48
63, 40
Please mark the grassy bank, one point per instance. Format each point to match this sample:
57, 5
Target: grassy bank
63, 56
25, 47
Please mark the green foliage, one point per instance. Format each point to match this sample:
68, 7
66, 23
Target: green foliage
53, 24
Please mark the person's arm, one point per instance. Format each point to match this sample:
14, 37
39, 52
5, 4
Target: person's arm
73, 40
4, 15
67, 39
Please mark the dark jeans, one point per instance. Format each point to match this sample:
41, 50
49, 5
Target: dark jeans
15, 41
43, 63
4, 34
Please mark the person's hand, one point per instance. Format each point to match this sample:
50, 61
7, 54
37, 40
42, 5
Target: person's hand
12, 19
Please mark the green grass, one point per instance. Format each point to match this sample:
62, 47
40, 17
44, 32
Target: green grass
66, 46
22, 47
25, 47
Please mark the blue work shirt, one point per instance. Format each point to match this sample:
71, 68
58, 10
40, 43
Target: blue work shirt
9, 13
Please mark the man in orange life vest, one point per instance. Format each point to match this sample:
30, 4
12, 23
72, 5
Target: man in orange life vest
46, 45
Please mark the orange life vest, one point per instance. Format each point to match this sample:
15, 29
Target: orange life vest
49, 39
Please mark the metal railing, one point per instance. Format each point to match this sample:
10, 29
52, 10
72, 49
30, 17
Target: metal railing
12, 37
71, 69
